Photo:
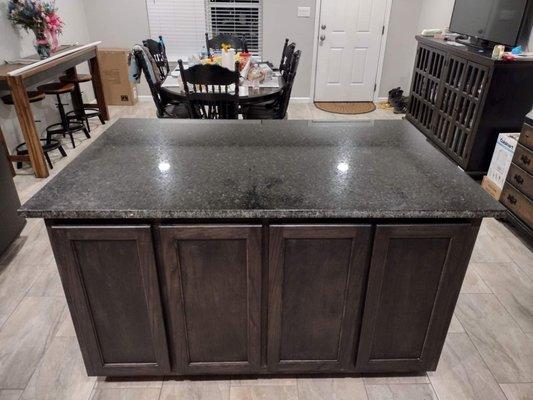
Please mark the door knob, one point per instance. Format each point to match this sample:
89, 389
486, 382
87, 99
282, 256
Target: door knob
323, 27
322, 38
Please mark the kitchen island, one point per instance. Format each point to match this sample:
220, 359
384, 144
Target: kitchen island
249, 247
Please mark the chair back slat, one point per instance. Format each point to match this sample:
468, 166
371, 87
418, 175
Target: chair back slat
217, 41
287, 60
217, 103
282, 63
287, 91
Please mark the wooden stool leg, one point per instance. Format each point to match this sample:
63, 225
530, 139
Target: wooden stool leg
48, 160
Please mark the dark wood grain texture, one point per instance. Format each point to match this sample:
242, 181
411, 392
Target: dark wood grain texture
523, 157
518, 203
415, 278
262, 299
317, 276
110, 281
462, 99
526, 137
213, 284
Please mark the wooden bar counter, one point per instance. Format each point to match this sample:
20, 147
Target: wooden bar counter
18, 78
249, 247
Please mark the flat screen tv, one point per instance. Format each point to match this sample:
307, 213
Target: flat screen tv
496, 21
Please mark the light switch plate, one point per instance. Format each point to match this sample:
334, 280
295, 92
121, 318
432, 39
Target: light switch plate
304, 12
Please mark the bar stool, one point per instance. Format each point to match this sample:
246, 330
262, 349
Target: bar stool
86, 111
66, 126
47, 144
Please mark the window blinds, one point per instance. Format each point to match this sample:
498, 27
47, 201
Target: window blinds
183, 23
242, 18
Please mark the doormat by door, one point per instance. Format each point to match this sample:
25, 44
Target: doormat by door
358, 107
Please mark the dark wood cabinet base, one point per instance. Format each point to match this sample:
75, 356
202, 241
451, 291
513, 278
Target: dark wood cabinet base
264, 297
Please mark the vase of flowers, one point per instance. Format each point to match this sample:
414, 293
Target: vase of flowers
42, 44
42, 19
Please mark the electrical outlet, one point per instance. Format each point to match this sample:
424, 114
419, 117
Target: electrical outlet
304, 12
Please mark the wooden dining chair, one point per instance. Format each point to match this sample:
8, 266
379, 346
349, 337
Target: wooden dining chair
282, 62
277, 109
224, 38
286, 61
166, 105
159, 53
212, 91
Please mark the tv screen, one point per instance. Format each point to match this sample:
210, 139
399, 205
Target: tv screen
497, 21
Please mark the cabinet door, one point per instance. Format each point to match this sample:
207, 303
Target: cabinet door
414, 281
212, 278
110, 281
316, 280
425, 86
463, 88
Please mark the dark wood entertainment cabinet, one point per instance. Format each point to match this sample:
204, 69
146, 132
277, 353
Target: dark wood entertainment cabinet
461, 99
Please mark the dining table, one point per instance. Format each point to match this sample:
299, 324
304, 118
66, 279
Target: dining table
20, 75
248, 94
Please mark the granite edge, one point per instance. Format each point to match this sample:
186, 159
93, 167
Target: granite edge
257, 214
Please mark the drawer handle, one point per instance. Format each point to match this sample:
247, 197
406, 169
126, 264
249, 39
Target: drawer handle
512, 199
518, 179
525, 159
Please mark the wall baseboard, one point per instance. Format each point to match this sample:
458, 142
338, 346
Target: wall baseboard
304, 100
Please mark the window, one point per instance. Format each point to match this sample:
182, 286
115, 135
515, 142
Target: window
183, 23
242, 18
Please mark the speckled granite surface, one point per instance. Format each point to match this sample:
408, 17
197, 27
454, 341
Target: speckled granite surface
149, 168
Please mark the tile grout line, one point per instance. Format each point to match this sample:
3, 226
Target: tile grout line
483, 359
498, 298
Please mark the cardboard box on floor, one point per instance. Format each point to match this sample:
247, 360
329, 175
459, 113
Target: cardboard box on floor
118, 90
491, 188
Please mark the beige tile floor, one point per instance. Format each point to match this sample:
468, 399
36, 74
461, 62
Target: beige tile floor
488, 352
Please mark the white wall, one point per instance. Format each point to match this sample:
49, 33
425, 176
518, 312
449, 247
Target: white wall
400, 48
15, 44
117, 23
280, 21
125, 23
408, 18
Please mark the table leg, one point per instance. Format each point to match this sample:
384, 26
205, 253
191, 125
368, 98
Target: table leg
27, 125
76, 97
98, 87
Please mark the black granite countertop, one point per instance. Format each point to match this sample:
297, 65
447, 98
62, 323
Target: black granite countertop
149, 168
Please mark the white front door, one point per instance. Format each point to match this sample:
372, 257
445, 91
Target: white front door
350, 34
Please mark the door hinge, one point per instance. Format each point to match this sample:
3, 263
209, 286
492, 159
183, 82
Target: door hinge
383, 30
375, 87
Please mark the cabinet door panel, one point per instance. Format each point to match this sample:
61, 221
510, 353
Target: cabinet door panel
316, 280
415, 277
213, 277
110, 280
